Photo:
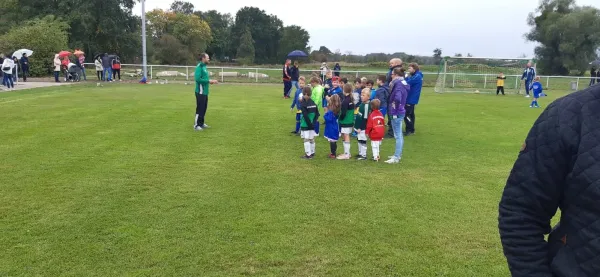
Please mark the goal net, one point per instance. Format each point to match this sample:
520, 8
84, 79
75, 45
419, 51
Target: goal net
479, 75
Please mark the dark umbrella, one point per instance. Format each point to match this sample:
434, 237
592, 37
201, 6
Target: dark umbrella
98, 56
297, 54
595, 63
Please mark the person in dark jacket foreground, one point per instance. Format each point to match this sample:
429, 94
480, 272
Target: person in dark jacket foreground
558, 167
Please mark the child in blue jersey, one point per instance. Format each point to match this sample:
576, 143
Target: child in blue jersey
332, 128
537, 89
296, 104
370, 85
327, 85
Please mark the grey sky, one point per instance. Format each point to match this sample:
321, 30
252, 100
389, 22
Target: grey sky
482, 28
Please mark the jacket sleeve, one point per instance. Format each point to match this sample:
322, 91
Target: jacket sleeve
415, 79
200, 77
533, 192
369, 126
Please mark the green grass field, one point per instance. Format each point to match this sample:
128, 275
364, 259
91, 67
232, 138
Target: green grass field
113, 181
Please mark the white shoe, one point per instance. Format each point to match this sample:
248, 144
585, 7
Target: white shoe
205, 126
343, 157
527, 96
198, 128
393, 160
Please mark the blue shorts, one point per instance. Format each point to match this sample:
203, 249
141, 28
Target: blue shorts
536, 95
324, 102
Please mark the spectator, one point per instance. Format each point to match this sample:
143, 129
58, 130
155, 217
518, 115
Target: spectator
81, 63
7, 67
324, 70
556, 168
99, 69
593, 75
394, 63
116, 68
415, 80
336, 70
107, 66
57, 65
25, 66
295, 75
287, 80
15, 70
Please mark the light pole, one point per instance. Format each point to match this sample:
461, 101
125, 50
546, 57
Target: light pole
144, 59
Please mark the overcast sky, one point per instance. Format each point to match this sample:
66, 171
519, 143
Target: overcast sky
482, 28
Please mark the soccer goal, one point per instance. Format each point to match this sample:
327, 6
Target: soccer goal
479, 75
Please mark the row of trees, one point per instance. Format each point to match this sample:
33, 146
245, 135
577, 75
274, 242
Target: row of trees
568, 35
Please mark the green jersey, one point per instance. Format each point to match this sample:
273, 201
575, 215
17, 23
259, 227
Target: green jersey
317, 96
202, 79
310, 115
360, 120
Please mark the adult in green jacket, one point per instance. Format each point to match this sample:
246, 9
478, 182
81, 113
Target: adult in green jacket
203, 83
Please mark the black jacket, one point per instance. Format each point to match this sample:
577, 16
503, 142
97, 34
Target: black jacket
558, 167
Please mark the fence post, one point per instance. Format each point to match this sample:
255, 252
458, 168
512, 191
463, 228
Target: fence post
150, 72
453, 79
548, 82
577, 88
517, 85
484, 81
187, 73
356, 75
222, 75
256, 76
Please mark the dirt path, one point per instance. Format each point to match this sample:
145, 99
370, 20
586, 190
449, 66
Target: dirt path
31, 85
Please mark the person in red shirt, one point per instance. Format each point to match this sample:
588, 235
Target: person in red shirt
375, 128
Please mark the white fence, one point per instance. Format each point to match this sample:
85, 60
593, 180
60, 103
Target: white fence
274, 75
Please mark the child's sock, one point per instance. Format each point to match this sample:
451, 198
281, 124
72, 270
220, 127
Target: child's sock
536, 103
297, 126
375, 148
362, 148
307, 148
333, 147
532, 103
312, 147
347, 147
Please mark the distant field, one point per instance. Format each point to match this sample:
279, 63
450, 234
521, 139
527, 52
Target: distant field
113, 181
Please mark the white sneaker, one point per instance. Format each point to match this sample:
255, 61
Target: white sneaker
527, 96
205, 126
393, 160
198, 128
343, 157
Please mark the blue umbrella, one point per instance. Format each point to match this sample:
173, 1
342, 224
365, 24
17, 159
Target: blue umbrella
297, 54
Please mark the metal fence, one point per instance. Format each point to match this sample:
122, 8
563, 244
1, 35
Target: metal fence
274, 76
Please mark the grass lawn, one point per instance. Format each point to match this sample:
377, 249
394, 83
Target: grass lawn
112, 181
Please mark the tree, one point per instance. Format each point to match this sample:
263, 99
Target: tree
437, 55
191, 32
47, 36
294, 38
325, 50
458, 55
98, 26
169, 50
469, 55
246, 52
567, 34
182, 7
266, 30
220, 26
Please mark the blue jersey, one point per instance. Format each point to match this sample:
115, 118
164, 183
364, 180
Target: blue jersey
296, 101
537, 88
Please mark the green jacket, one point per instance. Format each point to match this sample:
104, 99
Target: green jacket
202, 79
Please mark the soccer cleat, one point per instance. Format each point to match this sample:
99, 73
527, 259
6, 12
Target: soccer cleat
332, 156
531, 106
527, 96
375, 159
361, 158
198, 128
204, 126
312, 155
306, 157
343, 157
393, 160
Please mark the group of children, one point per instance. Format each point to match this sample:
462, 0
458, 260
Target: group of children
536, 87
349, 111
